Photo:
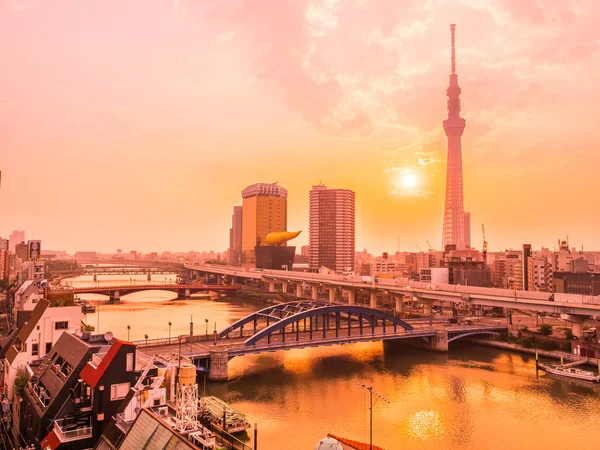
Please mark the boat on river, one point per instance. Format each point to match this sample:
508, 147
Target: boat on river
223, 415
571, 372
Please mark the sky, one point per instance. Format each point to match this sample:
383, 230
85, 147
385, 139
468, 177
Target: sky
136, 124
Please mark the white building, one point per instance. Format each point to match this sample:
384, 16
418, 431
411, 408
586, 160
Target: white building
36, 337
435, 275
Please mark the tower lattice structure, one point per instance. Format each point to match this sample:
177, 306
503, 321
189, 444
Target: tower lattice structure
186, 418
454, 125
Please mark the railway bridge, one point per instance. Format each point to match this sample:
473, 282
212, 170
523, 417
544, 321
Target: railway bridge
302, 324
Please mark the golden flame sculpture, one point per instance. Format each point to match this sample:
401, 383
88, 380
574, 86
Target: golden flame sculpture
281, 237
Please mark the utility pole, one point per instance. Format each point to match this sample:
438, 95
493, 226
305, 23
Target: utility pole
379, 397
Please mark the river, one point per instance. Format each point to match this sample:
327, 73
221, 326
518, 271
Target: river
470, 398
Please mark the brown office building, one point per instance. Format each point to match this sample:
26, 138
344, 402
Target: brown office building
264, 210
331, 229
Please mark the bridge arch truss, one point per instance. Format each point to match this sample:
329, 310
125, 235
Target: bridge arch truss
311, 320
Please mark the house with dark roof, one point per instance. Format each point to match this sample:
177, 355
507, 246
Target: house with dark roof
148, 431
74, 391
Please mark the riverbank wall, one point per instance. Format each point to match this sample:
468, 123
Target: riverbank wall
532, 351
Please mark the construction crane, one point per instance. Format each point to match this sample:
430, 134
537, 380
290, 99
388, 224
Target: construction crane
484, 250
430, 247
418, 247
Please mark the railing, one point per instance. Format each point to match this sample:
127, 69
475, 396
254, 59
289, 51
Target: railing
173, 340
228, 441
71, 435
357, 281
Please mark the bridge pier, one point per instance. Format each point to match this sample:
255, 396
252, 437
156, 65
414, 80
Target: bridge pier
427, 307
299, 290
95, 276
271, 286
576, 323
314, 293
373, 299
284, 287
331, 295
219, 364
399, 304
439, 342
115, 299
351, 297
149, 276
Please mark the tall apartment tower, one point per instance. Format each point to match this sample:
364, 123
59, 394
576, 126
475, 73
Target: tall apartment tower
264, 209
331, 229
455, 231
4, 244
235, 237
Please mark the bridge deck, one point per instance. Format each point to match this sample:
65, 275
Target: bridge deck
505, 298
236, 346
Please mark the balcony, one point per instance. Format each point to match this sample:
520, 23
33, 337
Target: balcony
69, 430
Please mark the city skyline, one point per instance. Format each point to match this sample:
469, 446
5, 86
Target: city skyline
375, 130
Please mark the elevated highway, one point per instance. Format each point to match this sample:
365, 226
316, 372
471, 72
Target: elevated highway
575, 308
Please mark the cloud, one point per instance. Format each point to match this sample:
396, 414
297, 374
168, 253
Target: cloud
427, 161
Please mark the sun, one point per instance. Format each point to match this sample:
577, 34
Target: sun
409, 180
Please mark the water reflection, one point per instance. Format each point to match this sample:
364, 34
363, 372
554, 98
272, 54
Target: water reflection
469, 398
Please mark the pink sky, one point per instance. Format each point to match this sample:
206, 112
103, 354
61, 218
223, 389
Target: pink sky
136, 124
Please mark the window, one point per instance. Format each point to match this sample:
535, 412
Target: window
118, 391
48, 347
61, 325
129, 365
34, 349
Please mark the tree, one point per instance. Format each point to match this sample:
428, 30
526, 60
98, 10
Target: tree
546, 329
21, 381
569, 333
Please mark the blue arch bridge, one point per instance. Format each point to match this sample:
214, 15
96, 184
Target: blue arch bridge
302, 324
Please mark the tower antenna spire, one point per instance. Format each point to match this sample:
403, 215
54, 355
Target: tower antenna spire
452, 28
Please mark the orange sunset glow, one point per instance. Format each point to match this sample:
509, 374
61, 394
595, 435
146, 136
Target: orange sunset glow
139, 123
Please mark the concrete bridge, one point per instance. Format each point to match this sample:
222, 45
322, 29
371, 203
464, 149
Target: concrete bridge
183, 290
571, 307
304, 324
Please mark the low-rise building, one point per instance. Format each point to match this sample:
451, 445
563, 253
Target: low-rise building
75, 390
435, 275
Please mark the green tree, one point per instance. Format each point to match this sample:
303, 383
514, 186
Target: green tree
569, 333
546, 329
21, 381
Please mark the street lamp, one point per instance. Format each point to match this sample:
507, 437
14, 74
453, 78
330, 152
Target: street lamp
128, 328
379, 397
170, 332
206, 322
146, 336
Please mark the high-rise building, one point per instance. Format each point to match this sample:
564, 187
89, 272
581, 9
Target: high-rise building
525, 271
467, 230
455, 231
331, 228
4, 244
16, 237
235, 237
264, 210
